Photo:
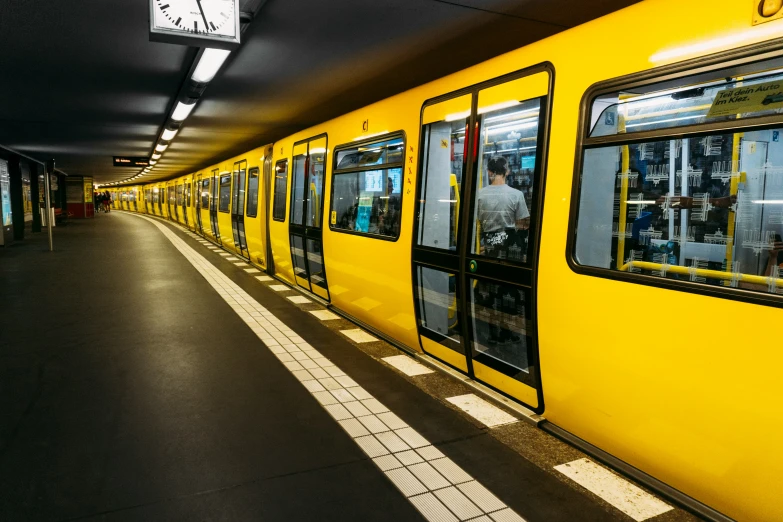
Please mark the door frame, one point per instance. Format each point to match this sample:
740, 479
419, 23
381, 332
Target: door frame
237, 205
214, 203
462, 265
303, 231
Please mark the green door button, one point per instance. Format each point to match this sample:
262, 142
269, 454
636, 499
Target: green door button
473, 266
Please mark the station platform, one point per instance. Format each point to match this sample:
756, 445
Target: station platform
146, 374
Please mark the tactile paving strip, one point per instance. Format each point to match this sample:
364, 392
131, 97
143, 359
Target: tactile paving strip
433, 483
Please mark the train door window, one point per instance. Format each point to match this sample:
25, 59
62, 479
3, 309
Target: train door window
367, 188
155, 196
205, 193
281, 187
225, 192
695, 201
298, 184
316, 180
180, 195
188, 202
444, 145
505, 184
252, 193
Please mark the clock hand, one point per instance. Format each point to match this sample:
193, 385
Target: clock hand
206, 25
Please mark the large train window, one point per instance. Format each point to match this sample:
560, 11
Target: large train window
252, 192
367, 187
682, 182
225, 192
281, 186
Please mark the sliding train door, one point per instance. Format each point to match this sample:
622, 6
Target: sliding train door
198, 193
305, 230
186, 200
214, 201
476, 241
238, 207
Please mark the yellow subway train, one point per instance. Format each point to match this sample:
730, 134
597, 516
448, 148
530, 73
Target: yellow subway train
590, 225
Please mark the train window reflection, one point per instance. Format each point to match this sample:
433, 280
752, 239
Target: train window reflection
205, 193
707, 210
281, 186
298, 189
445, 144
225, 192
252, 193
439, 307
367, 189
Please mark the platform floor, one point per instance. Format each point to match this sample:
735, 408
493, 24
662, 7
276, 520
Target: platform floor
135, 386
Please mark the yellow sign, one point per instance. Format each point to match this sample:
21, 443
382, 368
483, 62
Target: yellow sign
88, 191
334, 217
753, 98
444, 144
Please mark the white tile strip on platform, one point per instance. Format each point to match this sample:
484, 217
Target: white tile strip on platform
252, 270
631, 500
407, 365
265, 279
481, 410
433, 483
225, 254
358, 335
299, 299
279, 288
324, 315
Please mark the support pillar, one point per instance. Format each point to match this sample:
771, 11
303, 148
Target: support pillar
35, 194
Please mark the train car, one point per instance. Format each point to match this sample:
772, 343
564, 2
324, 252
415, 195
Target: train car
632, 294
594, 154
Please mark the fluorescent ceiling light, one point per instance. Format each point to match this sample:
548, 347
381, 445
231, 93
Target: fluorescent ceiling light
457, 116
161, 147
209, 64
168, 134
156, 156
153, 162
498, 106
182, 111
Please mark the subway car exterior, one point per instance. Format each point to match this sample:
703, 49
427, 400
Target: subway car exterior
636, 302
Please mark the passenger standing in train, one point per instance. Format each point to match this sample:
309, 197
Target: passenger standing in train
388, 215
107, 201
503, 218
502, 213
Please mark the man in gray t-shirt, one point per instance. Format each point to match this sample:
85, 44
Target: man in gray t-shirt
501, 212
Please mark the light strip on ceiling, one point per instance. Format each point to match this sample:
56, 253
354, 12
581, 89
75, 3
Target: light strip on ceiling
210, 63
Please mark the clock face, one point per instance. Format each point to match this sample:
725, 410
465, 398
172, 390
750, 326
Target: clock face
208, 19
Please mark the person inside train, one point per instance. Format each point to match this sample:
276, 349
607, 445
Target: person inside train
388, 211
503, 218
502, 214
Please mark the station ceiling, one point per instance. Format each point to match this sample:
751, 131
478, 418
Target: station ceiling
80, 81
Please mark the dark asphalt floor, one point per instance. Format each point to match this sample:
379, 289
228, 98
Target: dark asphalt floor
130, 391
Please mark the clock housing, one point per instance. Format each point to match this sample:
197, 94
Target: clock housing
197, 23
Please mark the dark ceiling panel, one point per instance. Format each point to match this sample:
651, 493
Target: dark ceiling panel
81, 81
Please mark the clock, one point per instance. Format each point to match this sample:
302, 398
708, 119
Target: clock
199, 23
